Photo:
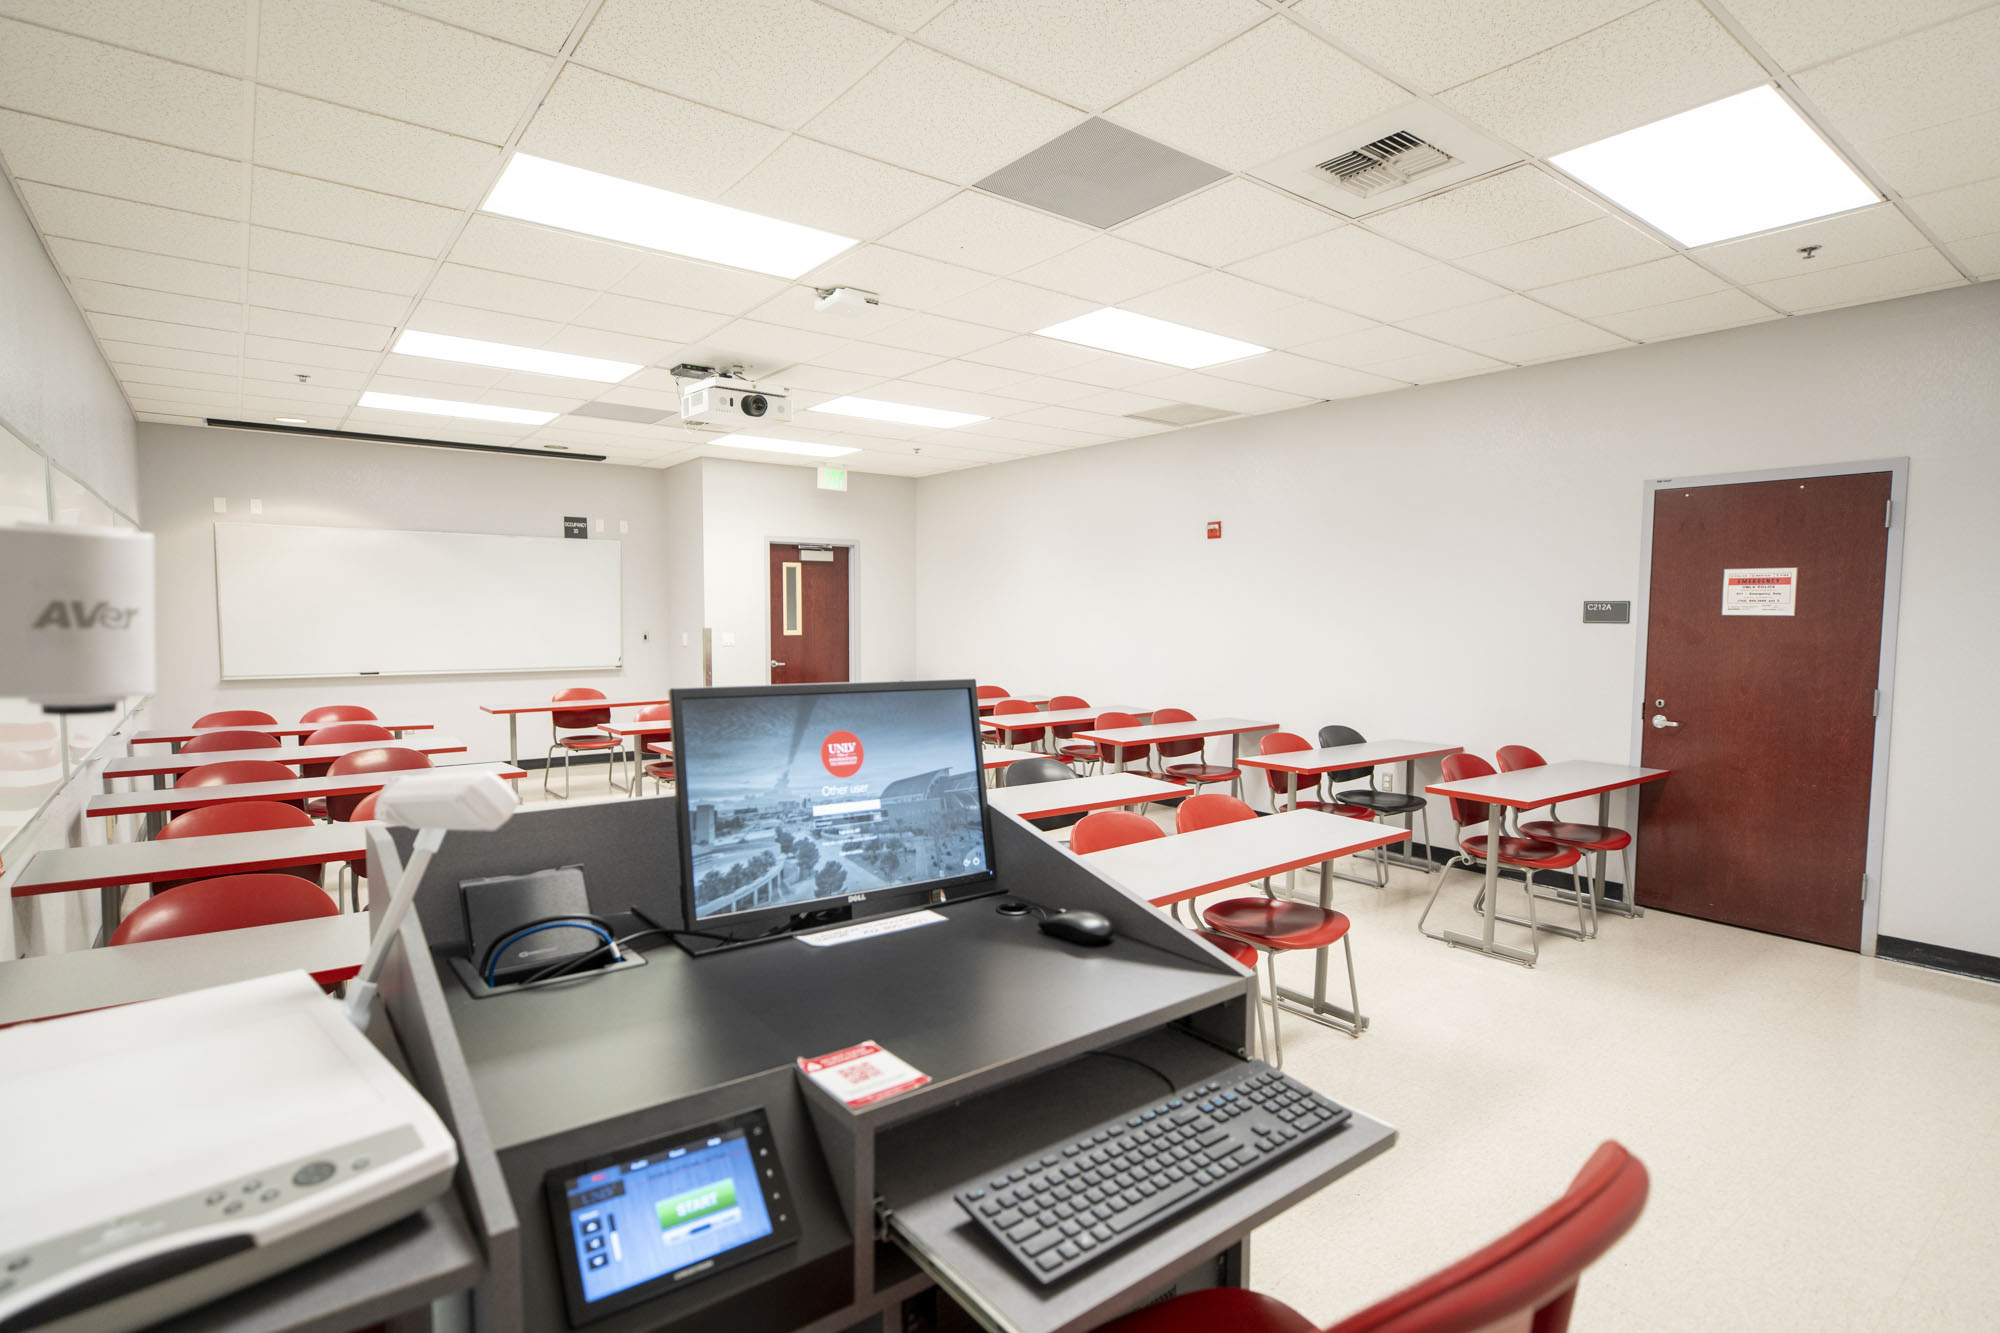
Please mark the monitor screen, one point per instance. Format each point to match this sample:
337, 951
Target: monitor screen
807, 797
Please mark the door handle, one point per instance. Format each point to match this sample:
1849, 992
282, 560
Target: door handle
776, 662
1660, 722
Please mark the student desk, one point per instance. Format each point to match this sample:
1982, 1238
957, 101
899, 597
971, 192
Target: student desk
1363, 754
110, 868
281, 730
630, 731
998, 756
162, 763
161, 801
1187, 865
512, 712
1105, 791
1528, 789
1009, 723
1236, 728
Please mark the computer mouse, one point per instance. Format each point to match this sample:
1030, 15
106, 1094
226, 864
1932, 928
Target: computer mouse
1093, 928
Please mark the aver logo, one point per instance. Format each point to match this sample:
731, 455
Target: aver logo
75, 615
841, 753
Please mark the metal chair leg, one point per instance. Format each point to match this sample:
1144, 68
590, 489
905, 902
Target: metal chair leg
1353, 991
1443, 871
1277, 1018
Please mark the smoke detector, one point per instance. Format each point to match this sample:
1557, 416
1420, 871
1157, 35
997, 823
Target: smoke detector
1404, 154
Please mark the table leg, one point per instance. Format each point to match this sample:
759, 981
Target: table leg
1629, 904
513, 740
1316, 1006
1490, 908
110, 906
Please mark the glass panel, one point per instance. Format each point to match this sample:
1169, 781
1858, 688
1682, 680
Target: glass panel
794, 597
30, 742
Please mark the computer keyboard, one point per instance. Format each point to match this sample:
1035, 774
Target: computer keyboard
1084, 1197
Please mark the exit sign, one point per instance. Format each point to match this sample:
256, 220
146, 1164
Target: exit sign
833, 478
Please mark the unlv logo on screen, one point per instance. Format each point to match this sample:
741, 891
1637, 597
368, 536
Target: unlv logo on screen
841, 753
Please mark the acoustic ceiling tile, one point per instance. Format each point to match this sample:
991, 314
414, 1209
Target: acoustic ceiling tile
1190, 386
1045, 390
776, 61
1231, 221
542, 24
1668, 57
1305, 376
1485, 214
311, 207
502, 396
935, 334
1866, 233
159, 376
762, 345
612, 346
503, 245
699, 286
1723, 309
36, 149
1028, 432
509, 292
1326, 265
645, 319
1799, 33
609, 125
1482, 320
135, 226
992, 235
1291, 326
1108, 270
325, 298
1448, 363
329, 395
1569, 338
1869, 280
1212, 300
1112, 372
927, 112
1928, 78
919, 394
969, 375
299, 256
305, 357
1067, 48
1367, 346
171, 358
162, 333
294, 324
283, 372
1034, 356
135, 268
1955, 214
1575, 252
107, 298
1981, 254
1275, 89
869, 358
1671, 279
203, 402
818, 185
1404, 34
1014, 306
1119, 402
459, 321
377, 58
207, 33
549, 386
88, 83
796, 306
1408, 295
1940, 157
905, 280
370, 152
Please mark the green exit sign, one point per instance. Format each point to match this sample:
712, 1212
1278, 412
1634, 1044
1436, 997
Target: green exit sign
833, 478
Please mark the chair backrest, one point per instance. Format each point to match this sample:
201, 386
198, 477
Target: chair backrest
1285, 784
1102, 829
236, 817
1209, 809
576, 719
230, 902
364, 808
216, 741
336, 733
657, 713
232, 771
384, 759
1175, 749
992, 692
1457, 768
1025, 772
1026, 735
337, 713
235, 717
1514, 757
1530, 1274
1334, 734
1068, 729
1119, 754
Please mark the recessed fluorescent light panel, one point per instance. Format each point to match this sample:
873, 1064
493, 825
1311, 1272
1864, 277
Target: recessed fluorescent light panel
505, 356
290, 421
769, 445
1746, 164
535, 189
1116, 330
908, 414
445, 407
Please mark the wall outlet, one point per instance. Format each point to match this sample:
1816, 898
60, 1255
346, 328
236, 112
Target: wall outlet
624, 526
256, 506
684, 638
1386, 782
221, 505
600, 525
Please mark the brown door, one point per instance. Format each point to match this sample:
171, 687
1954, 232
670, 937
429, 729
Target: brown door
1764, 822
808, 614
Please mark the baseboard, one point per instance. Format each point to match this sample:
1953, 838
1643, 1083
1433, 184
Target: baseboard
1939, 957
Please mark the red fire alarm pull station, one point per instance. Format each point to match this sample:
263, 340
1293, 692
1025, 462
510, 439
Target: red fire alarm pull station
1215, 530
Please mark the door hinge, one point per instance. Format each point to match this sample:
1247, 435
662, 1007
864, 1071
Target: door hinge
1875, 709
1888, 512
1864, 888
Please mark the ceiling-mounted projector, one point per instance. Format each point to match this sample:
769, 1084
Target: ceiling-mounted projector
727, 403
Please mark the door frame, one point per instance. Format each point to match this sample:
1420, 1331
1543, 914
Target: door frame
853, 608
1892, 595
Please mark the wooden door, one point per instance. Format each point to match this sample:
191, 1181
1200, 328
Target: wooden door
1764, 822
808, 614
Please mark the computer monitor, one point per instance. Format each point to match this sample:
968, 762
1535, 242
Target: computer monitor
806, 805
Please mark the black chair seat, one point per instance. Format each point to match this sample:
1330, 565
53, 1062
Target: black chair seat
1382, 802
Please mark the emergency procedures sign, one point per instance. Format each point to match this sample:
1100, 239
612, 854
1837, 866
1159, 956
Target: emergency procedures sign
1760, 592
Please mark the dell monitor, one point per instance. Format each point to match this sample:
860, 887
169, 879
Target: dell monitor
807, 805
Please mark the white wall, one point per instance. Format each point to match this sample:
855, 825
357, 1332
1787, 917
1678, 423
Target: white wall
1364, 540
747, 506
300, 479
680, 513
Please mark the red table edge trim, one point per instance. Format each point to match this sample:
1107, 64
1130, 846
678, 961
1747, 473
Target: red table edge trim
1444, 789
504, 774
1277, 761
1395, 835
230, 868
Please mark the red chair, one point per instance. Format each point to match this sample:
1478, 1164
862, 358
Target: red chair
1119, 755
364, 809
235, 717
338, 713
1101, 830
1074, 753
661, 770
342, 733
1526, 1280
1291, 786
232, 771
985, 692
1208, 810
214, 742
209, 821
1200, 773
1524, 854
1024, 735
582, 720
387, 759
230, 902
1586, 838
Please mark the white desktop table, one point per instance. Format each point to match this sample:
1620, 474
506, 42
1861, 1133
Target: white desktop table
278, 729
512, 712
1105, 791
639, 733
1201, 728
1362, 754
163, 763
999, 756
159, 801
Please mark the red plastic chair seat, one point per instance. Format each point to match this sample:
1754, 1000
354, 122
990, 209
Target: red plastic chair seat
1215, 1310
230, 902
660, 768
1101, 830
586, 742
1241, 950
1583, 837
1200, 773
1334, 808
1273, 924
1524, 852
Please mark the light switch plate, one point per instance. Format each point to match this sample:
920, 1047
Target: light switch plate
221, 505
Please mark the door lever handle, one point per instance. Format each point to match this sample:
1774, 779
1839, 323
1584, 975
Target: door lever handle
1660, 722
776, 662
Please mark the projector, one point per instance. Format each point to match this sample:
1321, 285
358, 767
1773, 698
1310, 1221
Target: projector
728, 404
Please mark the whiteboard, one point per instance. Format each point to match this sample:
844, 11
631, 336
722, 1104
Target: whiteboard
309, 601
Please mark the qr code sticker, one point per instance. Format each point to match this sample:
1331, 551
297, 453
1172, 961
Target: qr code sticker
859, 1072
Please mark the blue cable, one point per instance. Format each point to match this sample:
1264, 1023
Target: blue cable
493, 954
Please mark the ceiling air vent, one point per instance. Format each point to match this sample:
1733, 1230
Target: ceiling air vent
1180, 414
1391, 161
